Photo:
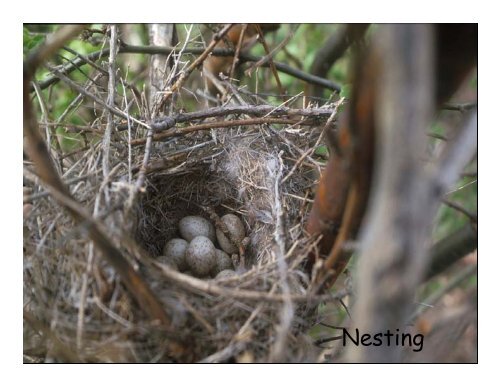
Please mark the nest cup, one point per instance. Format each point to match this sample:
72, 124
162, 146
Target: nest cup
228, 171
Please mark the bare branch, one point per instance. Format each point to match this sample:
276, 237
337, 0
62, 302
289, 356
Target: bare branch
398, 220
106, 140
153, 50
333, 49
471, 216
174, 132
462, 107
451, 249
456, 155
258, 110
163, 35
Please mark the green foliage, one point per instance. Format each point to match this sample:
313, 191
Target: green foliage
339, 71
473, 81
321, 151
438, 129
345, 92
31, 40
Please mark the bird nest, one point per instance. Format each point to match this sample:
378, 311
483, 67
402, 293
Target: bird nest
264, 174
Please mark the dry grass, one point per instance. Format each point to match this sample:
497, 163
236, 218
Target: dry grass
78, 308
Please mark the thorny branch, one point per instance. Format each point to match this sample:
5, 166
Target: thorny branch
314, 114
256, 110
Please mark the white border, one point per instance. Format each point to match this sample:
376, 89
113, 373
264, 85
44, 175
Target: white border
14, 14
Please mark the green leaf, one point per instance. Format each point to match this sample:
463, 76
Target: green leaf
31, 41
345, 92
322, 151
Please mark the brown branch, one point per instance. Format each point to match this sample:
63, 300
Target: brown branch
209, 287
258, 110
174, 132
269, 59
273, 53
471, 216
236, 58
451, 249
344, 192
333, 49
406, 195
106, 140
397, 223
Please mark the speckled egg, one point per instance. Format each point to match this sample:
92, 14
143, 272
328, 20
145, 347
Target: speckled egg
200, 256
192, 226
175, 251
235, 228
222, 262
227, 273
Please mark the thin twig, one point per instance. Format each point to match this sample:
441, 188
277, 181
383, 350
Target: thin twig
211, 288
106, 140
447, 251
462, 107
129, 133
436, 296
144, 167
471, 216
456, 155
75, 86
50, 130
197, 62
153, 50
36, 196
255, 110
272, 54
270, 59
297, 164
238, 50
460, 187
